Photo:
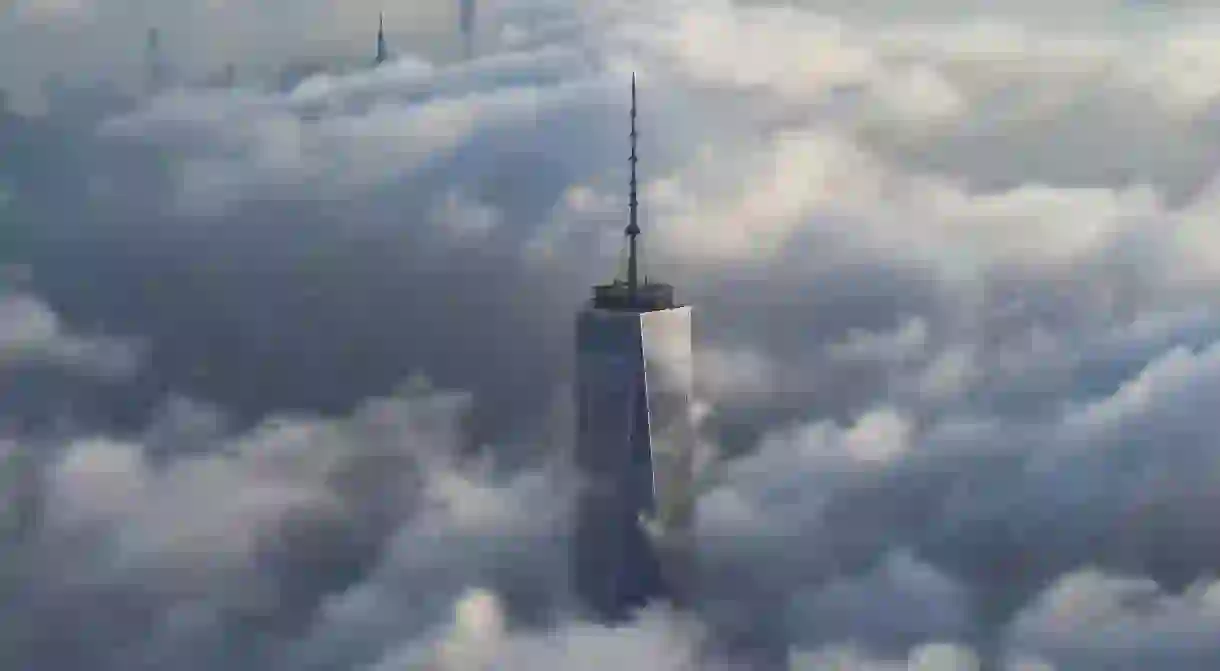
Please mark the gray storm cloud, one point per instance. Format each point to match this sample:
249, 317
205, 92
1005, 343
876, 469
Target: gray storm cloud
956, 320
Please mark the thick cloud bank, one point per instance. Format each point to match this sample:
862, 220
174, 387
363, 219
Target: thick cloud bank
285, 386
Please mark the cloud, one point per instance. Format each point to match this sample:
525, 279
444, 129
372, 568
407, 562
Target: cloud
1085, 610
897, 347
478, 637
941, 657
100, 41
47, 10
956, 326
31, 335
263, 526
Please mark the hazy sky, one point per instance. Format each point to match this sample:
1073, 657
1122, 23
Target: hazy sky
90, 39
285, 373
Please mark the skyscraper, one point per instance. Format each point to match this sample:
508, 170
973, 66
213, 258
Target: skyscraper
466, 18
382, 52
157, 77
635, 438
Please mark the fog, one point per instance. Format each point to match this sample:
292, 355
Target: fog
285, 370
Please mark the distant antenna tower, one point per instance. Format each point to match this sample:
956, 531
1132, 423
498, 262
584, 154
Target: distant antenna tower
154, 62
466, 23
382, 53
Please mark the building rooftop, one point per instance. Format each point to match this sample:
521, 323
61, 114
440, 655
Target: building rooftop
647, 297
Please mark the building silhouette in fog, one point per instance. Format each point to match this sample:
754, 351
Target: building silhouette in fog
156, 76
382, 53
466, 25
635, 438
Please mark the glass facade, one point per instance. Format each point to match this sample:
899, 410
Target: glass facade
634, 452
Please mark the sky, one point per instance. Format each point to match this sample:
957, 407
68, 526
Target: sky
286, 373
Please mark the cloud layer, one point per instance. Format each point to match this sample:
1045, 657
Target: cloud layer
954, 282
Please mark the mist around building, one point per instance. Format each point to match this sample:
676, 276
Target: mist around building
303, 328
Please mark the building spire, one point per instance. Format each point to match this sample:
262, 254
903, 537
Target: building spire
154, 62
636, 293
633, 227
466, 23
381, 50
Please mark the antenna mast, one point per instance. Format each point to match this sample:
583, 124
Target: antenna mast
633, 228
636, 294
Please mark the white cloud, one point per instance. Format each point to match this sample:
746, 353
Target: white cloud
735, 373
467, 219
202, 521
959, 276
478, 639
932, 657
949, 375
1087, 610
902, 345
39, 11
31, 333
879, 436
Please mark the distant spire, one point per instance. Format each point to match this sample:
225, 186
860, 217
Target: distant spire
155, 63
381, 50
466, 20
633, 227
